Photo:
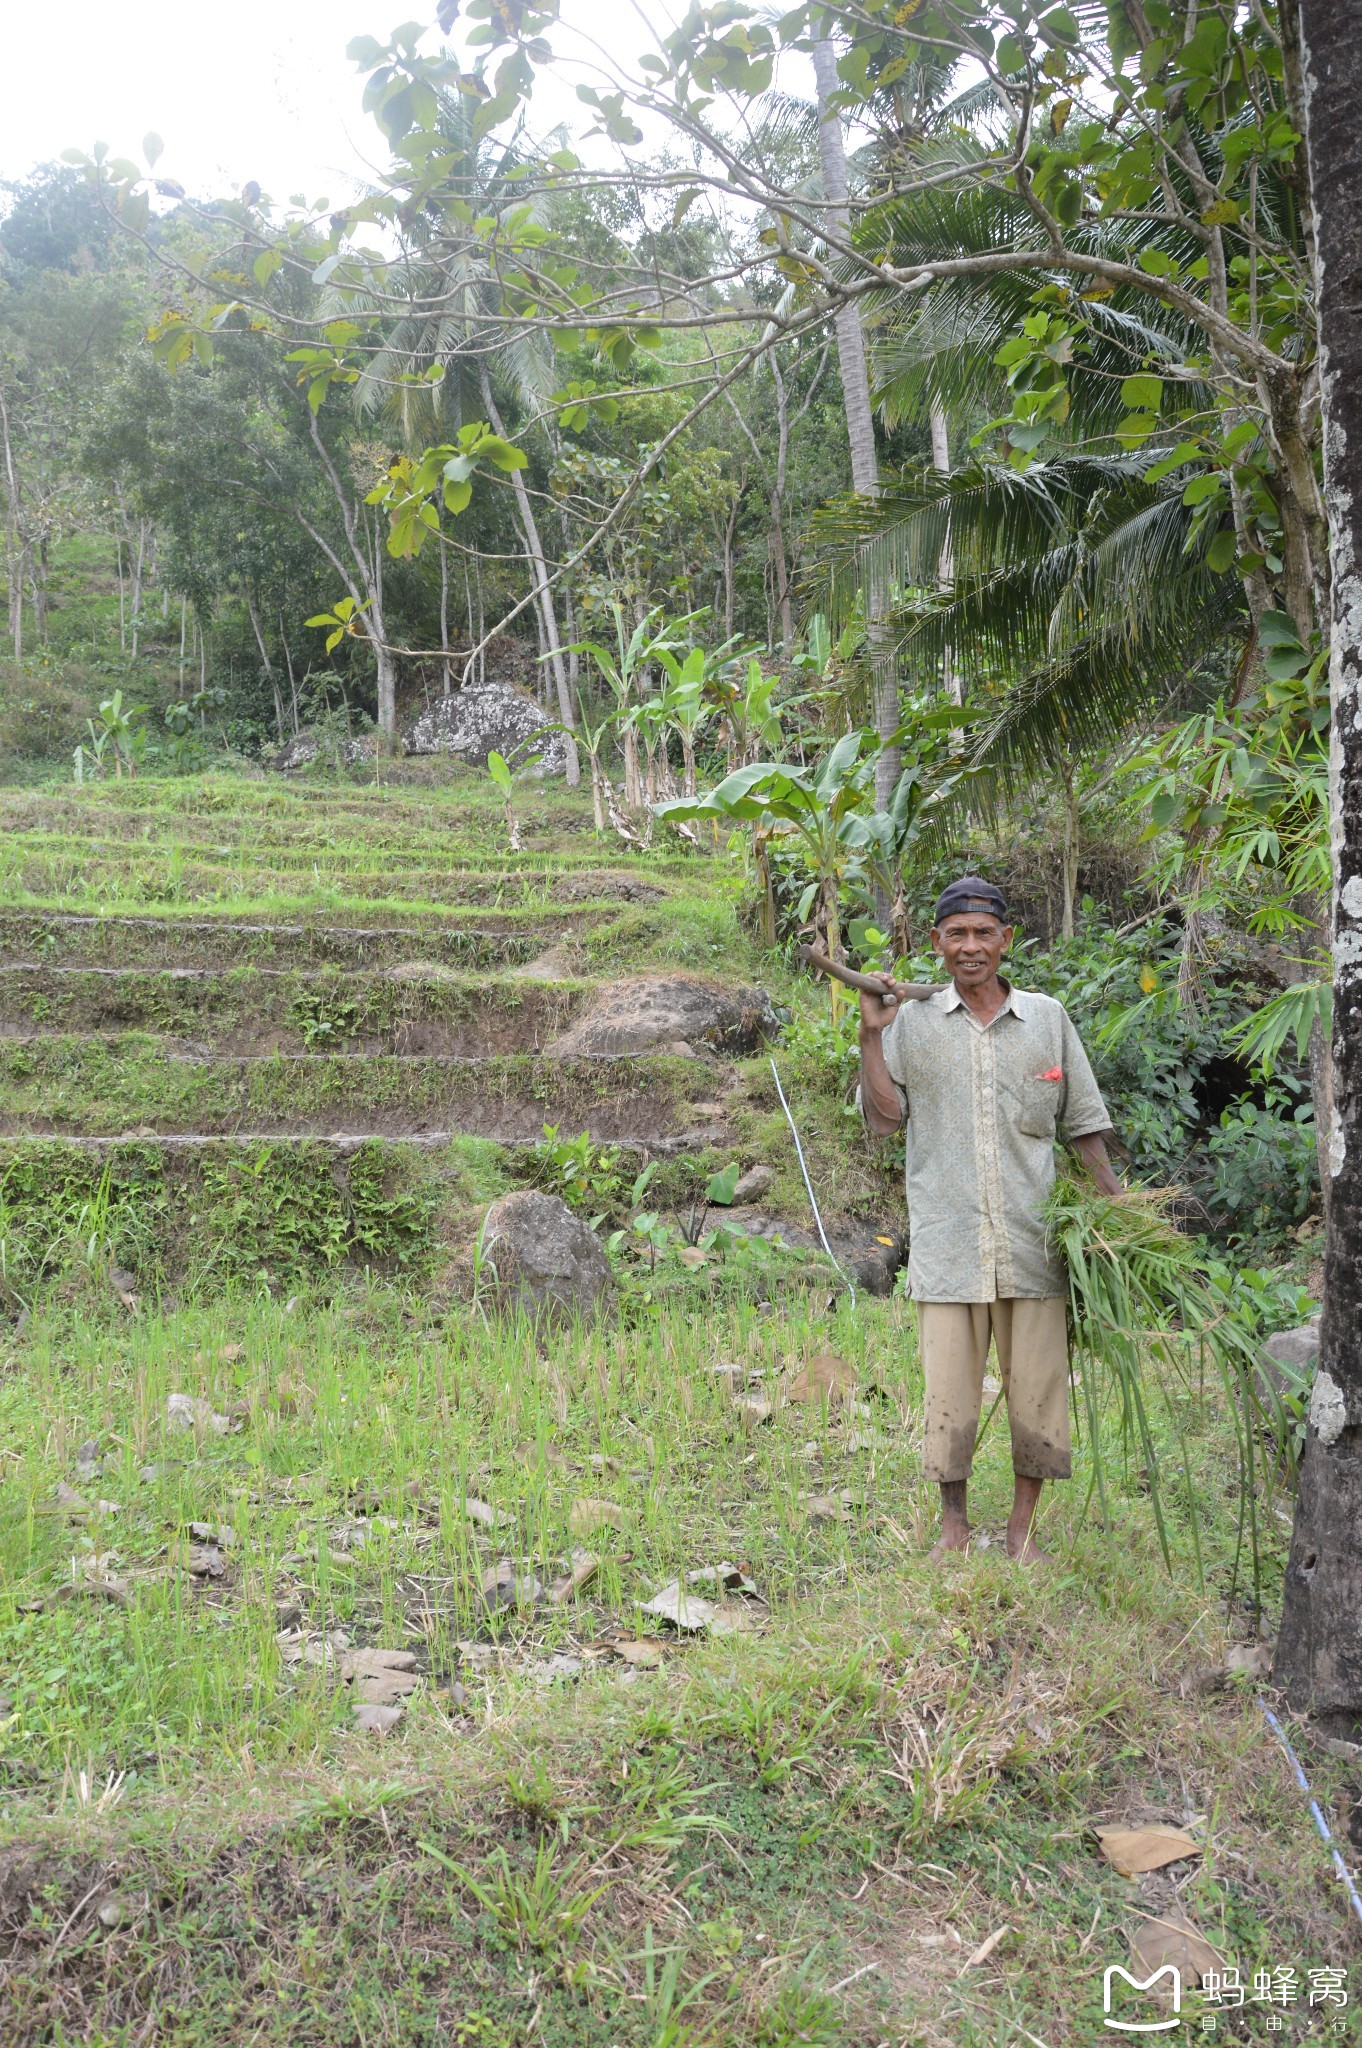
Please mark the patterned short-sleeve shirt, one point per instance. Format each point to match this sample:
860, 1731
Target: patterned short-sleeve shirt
984, 1103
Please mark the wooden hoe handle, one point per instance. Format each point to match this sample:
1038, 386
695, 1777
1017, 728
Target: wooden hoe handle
898, 991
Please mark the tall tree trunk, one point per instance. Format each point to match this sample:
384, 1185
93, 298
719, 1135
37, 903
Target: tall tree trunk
362, 575
16, 551
860, 422
1069, 850
780, 562
292, 678
539, 572
447, 682
265, 662
139, 563
729, 525
1319, 1652
952, 682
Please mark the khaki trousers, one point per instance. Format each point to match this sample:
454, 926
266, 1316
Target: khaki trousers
1032, 1342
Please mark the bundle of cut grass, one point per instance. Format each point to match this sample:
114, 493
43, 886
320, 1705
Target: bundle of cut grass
1140, 1294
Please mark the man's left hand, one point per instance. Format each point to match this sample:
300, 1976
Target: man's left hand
1092, 1150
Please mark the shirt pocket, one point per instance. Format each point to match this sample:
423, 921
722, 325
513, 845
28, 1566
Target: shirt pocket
1039, 1108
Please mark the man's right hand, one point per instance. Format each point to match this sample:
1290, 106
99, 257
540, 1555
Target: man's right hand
879, 1011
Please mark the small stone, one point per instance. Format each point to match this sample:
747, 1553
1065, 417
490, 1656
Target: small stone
458, 1696
113, 1913
753, 1184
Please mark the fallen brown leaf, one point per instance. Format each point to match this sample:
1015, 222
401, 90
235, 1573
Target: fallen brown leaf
826, 1378
586, 1515
200, 1560
192, 1411
370, 1663
646, 1656
1173, 1939
376, 1719
694, 1616
503, 1586
532, 1456
383, 1688
486, 1517
1131, 1850
984, 1950
584, 1567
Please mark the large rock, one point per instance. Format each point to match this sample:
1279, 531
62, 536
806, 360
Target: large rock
656, 1015
307, 745
488, 718
1298, 1350
548, 1262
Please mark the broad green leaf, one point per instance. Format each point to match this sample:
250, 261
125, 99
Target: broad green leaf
1142, 393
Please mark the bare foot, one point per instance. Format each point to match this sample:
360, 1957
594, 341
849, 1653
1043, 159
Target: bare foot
1023, 1548
954, 1537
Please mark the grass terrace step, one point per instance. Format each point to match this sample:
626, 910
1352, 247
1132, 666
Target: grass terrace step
50, 937
129, 1085
146, 876
416, 1009
432, 853
226, 1207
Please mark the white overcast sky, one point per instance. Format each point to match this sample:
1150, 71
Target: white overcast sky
260, 89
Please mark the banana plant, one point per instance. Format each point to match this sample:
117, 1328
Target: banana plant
825, 811
504, 777
624, 670
748, 708
117, 729
591, 733
684, 706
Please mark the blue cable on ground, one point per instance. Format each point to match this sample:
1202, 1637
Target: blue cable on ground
1320, 1822
813, 1201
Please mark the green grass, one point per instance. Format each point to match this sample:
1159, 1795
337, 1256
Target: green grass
110, 1086
241, 1009
893, 1763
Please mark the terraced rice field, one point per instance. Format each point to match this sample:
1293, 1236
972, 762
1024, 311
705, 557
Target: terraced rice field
266, 1054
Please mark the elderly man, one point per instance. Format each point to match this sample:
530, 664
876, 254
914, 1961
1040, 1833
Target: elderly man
984, 1074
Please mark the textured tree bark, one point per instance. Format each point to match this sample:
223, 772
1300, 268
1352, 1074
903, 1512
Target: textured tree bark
1319, 1651
952, 682
543, 592
865, 469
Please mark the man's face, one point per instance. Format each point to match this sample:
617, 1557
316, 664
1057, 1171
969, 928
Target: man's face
972, 944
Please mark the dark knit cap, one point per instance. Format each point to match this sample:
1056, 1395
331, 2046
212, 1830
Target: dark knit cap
971, 892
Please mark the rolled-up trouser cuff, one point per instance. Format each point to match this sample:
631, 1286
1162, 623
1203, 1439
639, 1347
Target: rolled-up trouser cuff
1031, 1340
